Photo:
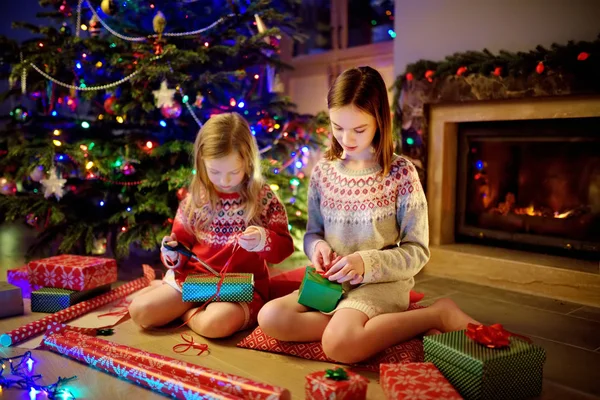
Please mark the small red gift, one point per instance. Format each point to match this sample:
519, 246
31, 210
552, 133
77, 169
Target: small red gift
339, 384
72, 272
20, 277
415, 381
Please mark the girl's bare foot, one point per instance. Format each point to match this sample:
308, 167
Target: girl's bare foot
452, 318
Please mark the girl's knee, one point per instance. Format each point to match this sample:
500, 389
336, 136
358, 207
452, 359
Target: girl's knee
273, 319
215, 325
141, 312
340, 346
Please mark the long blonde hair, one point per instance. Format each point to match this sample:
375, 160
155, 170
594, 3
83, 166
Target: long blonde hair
364, 88
220, 136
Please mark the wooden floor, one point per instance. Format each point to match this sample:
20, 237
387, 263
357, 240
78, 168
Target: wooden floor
570, 333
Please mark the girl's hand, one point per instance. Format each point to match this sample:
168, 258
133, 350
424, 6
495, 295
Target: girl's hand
171, 257
350, 268
322, 256
250, 238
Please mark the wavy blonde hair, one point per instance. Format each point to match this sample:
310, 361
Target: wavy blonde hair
220, 136
364, 88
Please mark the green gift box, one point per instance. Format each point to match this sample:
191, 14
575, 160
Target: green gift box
236, 288
319, 292
478, 372
51, 300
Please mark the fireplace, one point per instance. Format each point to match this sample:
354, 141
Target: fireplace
530, 185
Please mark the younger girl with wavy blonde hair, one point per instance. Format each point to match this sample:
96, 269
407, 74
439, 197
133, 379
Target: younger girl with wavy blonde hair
228, 204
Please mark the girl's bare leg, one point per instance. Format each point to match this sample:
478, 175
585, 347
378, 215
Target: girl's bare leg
217, 320
158, 306
352, 337
285, 319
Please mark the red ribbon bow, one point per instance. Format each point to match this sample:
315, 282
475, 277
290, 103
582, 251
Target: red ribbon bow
492, 336
189, 344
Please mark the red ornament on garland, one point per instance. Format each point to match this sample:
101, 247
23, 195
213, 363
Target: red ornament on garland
540, 68
461, 71
497, 71
409, 77
429, 75
181, 193
583, 56
171, 110
110, 105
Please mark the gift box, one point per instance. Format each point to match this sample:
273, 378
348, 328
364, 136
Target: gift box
20, 277
11, 300
51, 300
480, 372
235, 287
338, 384
416, 381
72, 272
319, 292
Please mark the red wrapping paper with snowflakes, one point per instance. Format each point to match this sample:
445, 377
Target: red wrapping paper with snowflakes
72, 272
31, 329
415, 381
162, 374
20, 277
320, 387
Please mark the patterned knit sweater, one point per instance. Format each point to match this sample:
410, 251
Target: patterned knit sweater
384, 219
214, 244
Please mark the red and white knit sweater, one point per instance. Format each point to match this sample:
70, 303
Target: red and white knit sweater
214, 243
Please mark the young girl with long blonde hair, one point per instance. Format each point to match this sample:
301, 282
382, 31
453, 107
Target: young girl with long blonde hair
367, 229
228, 205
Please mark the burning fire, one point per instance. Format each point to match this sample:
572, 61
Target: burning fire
537, 213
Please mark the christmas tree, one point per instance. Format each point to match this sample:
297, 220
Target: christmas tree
108, 98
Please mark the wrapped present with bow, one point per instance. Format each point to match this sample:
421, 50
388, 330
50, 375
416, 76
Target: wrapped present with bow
51, 300
415, 381
20, 277
488, 362
338, 384
227, 287
318, 292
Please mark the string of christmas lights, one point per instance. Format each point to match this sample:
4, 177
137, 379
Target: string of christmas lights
21, 367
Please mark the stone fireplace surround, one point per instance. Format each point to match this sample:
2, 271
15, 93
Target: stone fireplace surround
557, 277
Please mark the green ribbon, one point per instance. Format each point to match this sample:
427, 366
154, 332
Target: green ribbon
338, 374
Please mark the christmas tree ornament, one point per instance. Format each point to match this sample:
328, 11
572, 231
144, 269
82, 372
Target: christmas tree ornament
270, 70
109, 7
409, 77
128, 169
171, 110
164, 95
429, 75
110, 105
540, 68
53, 186
199, 100
7, 187
158, 24
20, 114
95, 27
37, 174
582, 56
498, 71
181, 193
460, 71
158, 47
65, 9
31, 220
99, 246
65, 30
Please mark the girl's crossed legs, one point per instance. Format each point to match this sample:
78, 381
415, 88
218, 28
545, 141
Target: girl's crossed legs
161, 304
349, 336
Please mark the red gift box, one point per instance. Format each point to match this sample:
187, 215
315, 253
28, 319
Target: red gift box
20, 277
325, 385
415, 381
72, 272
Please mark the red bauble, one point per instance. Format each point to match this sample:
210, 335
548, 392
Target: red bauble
497, 71
540, 68
171, 111
110, 105
409, 77
461, 70
181, 193
583, 56
429, 75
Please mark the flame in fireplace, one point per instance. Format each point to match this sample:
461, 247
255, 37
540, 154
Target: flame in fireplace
528, 211
563, 215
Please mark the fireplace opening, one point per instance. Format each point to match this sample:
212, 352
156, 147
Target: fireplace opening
531, 185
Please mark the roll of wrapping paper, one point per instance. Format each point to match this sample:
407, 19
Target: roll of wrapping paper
31, 329
160, 373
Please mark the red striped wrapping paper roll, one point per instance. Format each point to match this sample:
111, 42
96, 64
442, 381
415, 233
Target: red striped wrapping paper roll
160, 373
31, 329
